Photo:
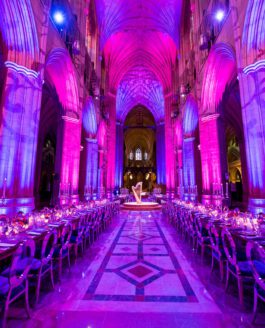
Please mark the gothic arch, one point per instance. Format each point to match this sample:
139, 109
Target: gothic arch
220, 70
61, 74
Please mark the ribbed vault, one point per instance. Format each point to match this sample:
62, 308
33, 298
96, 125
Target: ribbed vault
140, 87
139, 41
138, 15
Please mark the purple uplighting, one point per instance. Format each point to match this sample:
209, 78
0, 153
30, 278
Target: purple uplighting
132, 142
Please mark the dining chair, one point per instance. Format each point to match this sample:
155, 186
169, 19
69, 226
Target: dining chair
88, 222
218, 253
237, 264
77, 237
256, 258
43, 263
62, 248
14, 282
202, 235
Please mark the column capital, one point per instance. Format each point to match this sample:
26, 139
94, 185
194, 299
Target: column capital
25, 71
255, 67
91, 140
188, 138
210, 117
70, 119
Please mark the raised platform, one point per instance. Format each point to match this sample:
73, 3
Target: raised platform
144, 206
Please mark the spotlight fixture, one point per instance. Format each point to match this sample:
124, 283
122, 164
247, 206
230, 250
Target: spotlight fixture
219, 15
58, 17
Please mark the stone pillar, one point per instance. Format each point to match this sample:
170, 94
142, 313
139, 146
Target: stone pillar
101, 173
20, 111
160, 154
179, 171
169, 147
213, 156
68, 158
119, 155
91, 166
189, 170
252, 90
111, 147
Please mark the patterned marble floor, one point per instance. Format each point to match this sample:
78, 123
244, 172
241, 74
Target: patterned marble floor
138, 274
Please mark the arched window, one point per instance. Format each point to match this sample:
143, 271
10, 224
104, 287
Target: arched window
145, 156
138, 154
131, 155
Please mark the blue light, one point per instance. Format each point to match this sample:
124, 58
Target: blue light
219, 15
58, 17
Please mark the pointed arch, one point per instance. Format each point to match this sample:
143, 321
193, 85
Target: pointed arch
220, 70
61, 74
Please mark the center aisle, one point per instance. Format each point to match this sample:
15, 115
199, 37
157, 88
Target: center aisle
134, 276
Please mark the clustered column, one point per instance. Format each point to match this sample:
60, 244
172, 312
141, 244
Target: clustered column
189, 176
160, 153
253, 114
212, 156
119, 155
169, 146
67, 162
91, 160
111, 147
20, 113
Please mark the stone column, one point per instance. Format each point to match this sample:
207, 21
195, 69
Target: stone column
179, 171
20, 111
111, 147
119, 155
252, 90
213, 156
169, 147
68, 158
160, 154
189, 170
91, 166
101, 173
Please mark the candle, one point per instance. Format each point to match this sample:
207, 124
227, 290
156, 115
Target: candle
226, 189
4, 188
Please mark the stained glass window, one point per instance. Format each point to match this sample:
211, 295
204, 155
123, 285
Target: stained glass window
138, 154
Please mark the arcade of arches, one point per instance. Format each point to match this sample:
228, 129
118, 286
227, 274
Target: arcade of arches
117, 92
98, 95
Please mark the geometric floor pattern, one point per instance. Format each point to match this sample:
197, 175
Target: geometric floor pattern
141, 256
134, 275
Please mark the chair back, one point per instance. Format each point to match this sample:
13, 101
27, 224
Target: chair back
229, 247
215, 238
256, 258
81, 226
48, 245
66, 235
24, 253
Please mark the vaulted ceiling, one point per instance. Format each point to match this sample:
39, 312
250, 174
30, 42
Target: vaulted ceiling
139, 41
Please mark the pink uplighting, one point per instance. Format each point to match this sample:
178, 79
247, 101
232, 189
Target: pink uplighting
132, 163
